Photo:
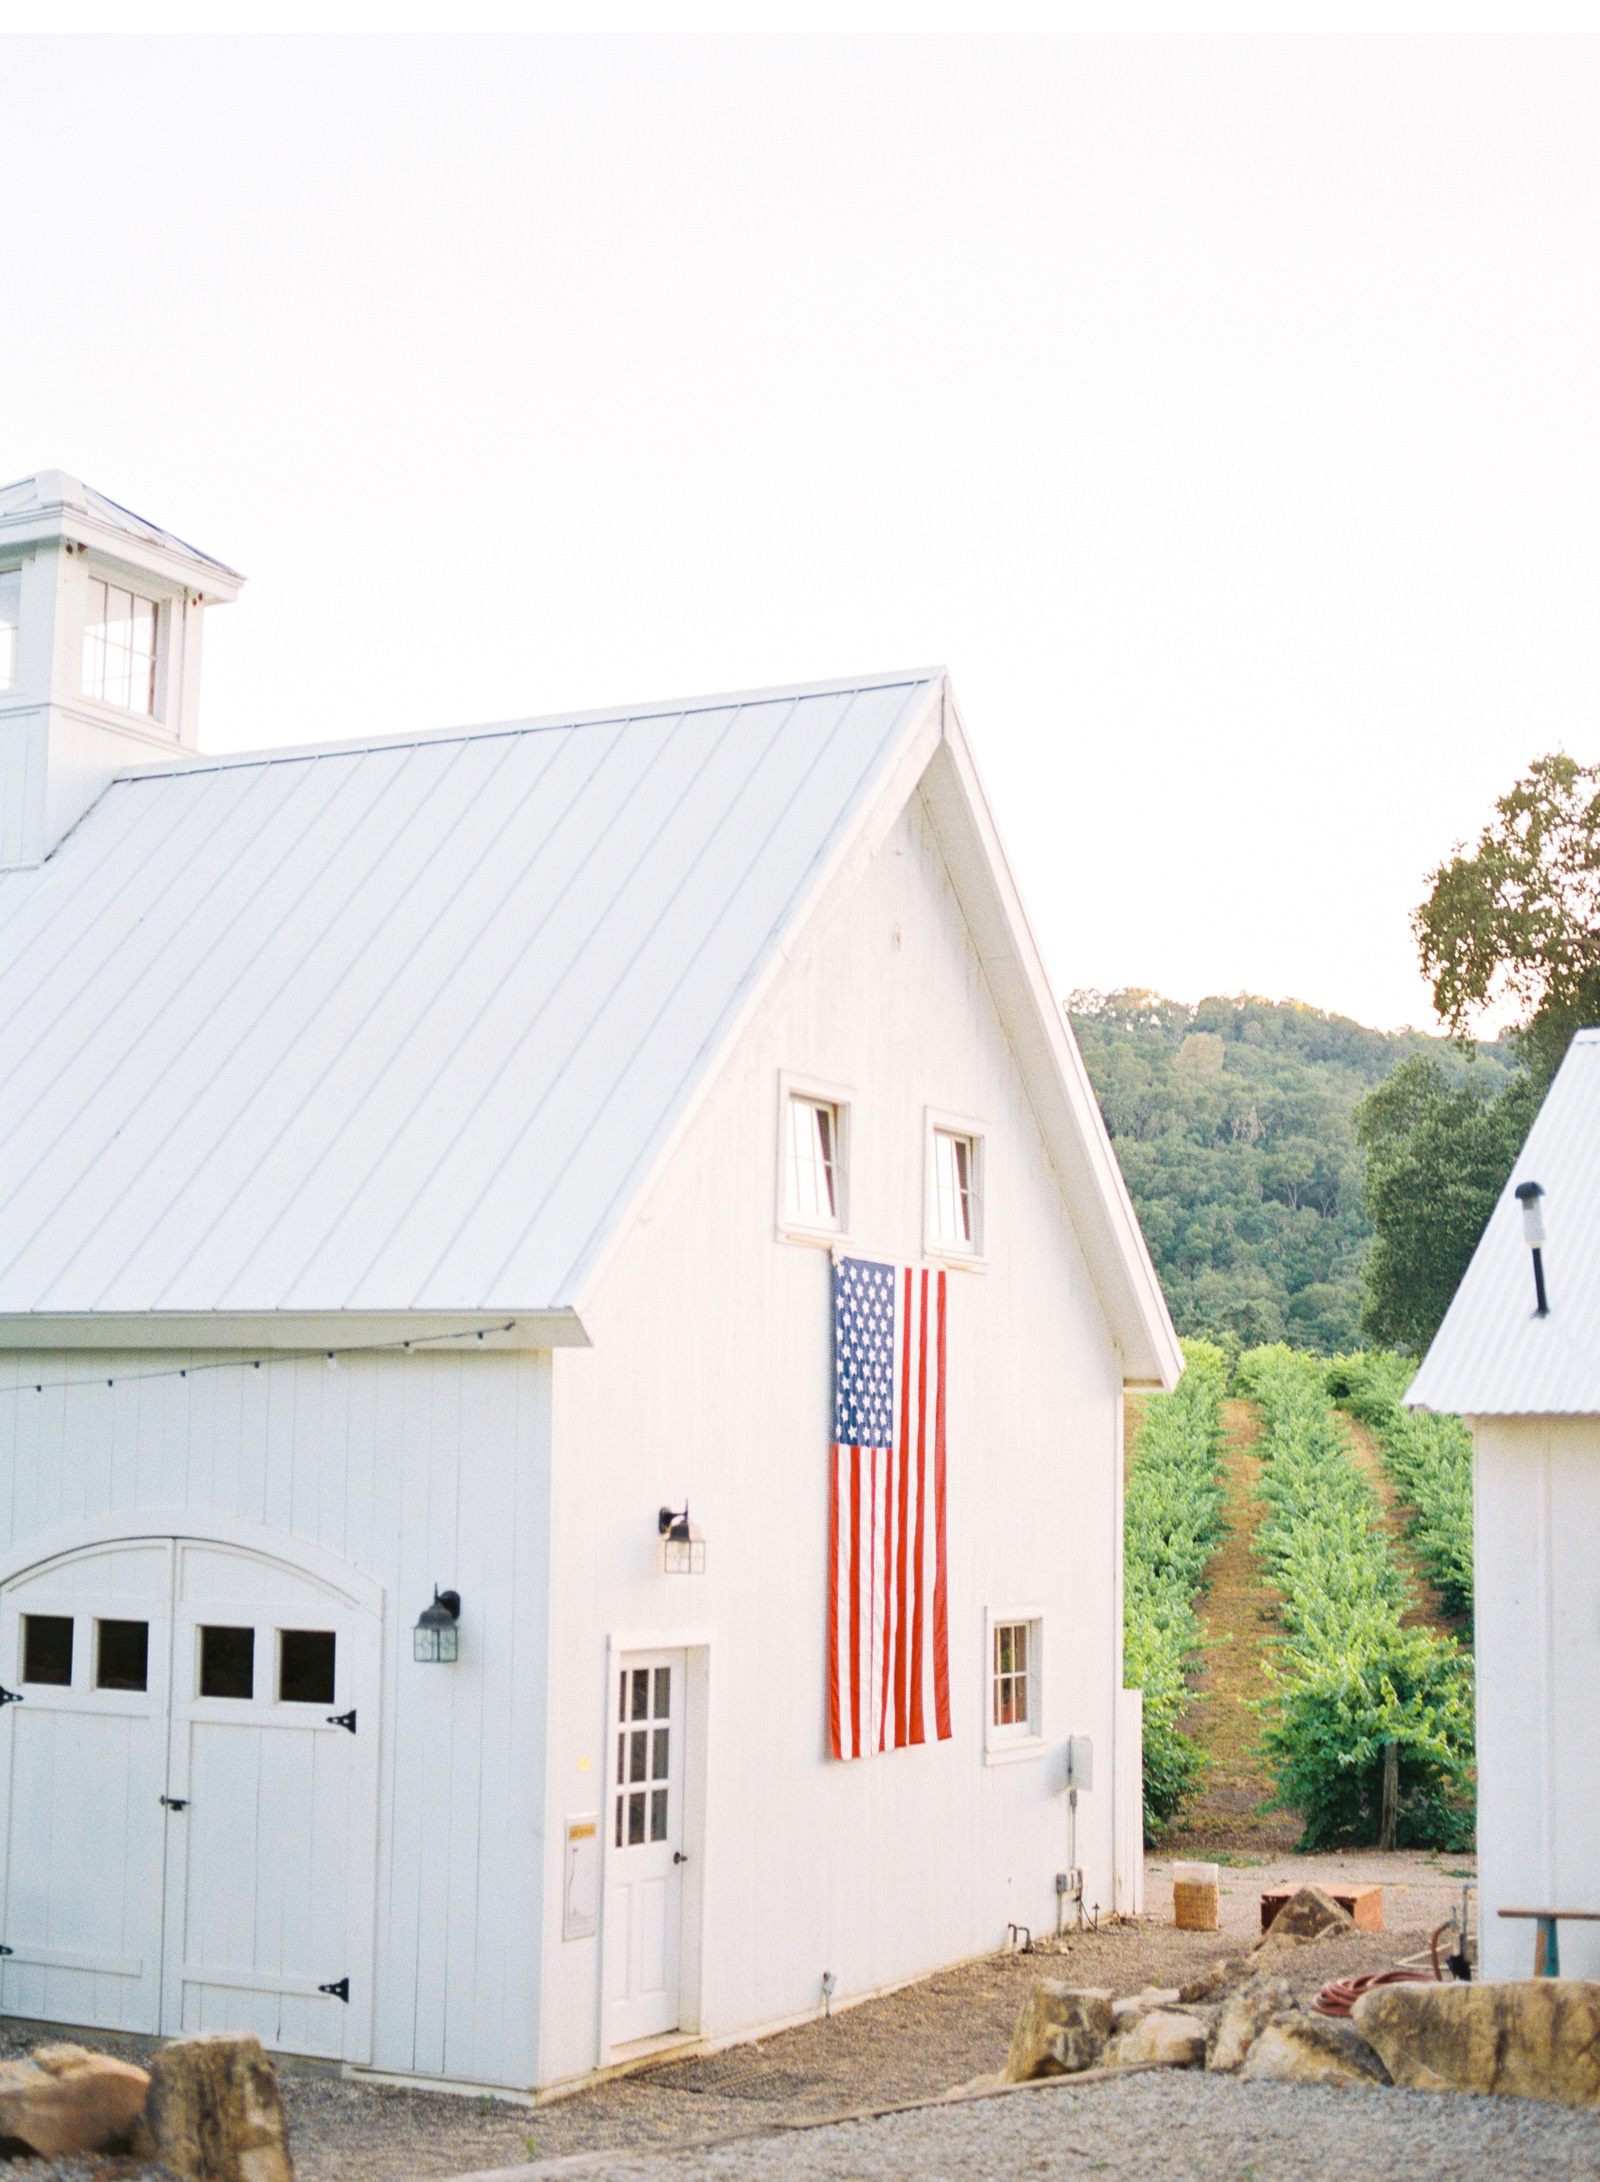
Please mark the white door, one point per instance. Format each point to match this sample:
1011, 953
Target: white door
188, 1789
270, 1877
644, 1846
84, 1648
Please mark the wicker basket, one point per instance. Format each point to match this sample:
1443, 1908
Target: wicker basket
1196, 1903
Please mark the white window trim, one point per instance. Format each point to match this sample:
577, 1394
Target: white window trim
791, 1228
167, 601
973, 1256
1010, 1745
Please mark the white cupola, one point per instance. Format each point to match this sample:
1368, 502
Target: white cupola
100, 616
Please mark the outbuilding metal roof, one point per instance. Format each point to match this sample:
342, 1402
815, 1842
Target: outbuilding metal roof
402, 1027
28, 499
1493, 1357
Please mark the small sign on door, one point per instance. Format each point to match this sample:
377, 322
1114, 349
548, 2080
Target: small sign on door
580, 1883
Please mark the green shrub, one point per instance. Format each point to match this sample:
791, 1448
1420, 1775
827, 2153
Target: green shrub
1172, 1520
1430, 1459
1349, 1681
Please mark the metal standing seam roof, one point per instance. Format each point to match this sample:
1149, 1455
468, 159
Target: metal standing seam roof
1493, 1356
397, 1027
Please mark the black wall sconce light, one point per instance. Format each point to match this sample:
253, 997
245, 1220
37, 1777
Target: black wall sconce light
684, 1552
436, 1639
1528, 1197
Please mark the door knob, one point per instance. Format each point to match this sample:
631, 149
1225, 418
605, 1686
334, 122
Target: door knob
678, 1857
176, 1803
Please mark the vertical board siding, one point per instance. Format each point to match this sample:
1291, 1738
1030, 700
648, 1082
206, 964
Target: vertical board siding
1537, 1662
710, 1377
416, 1470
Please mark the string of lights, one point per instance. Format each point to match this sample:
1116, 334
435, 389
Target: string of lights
331, 1357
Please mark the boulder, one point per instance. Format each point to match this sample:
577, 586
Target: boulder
1062, 2028
1164, 2036
1530, 2038
1308, 1915
1213, 1980
1243, 2016
1125, 2013
214, 2113
63, 2100
1310, 2049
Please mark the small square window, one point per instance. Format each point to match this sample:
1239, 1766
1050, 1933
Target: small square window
812, 1163
122, 1655
1014, 1723
954, 1184
227, 1662
306, 1666
47, 1649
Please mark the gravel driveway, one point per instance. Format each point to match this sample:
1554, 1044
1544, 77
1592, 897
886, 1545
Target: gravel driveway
1171, 2127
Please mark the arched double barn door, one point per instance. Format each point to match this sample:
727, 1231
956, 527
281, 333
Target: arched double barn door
188, 1793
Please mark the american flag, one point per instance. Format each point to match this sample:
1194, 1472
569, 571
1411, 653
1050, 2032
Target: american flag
888, 1585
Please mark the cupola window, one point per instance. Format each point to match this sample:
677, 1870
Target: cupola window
119, 648
10, 617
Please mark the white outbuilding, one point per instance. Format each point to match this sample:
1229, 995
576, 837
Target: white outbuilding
426, 1166
1527, 1381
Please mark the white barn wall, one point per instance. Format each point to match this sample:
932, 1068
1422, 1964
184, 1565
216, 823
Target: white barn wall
1537, 1647
710, 1378
419, 1469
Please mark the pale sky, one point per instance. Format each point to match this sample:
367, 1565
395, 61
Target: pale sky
1225, 413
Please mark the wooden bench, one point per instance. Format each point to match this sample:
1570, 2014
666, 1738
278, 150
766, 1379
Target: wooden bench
1364, 1904
1546, 1943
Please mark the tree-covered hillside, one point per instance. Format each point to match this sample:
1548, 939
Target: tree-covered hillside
1232, 1123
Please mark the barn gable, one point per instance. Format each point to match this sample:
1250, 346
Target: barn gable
303, 1040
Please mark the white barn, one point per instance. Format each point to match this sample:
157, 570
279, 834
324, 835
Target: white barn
423, 1161
1528, 1385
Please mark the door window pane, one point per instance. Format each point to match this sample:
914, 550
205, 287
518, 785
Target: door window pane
636, 1818
227, 1662
636, 1770
663, 1693
122, 1655
658, 1756
658, 1814
47, 1648
641, 1693
305, 1666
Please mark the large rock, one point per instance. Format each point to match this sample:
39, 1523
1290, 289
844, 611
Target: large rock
1308, 1915
63, 2099
1164, 2036
1531, 2038
214, 2112
1062, 2028
1309, 2049
1125, 2013
1211, 1982
1242, 2018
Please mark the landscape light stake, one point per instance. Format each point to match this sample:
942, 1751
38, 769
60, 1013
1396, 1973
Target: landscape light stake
1528, 1196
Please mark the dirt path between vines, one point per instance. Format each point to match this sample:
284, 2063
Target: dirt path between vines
1427, 1608
1239, 1613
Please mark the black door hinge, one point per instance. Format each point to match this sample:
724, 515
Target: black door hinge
7, 1950
343, 1719
176, 1803
341, 1991
10, 1697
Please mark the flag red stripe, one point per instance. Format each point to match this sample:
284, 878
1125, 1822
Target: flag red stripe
941, 1570
903, 1468
833, 1602
855, 1602
918, 1730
